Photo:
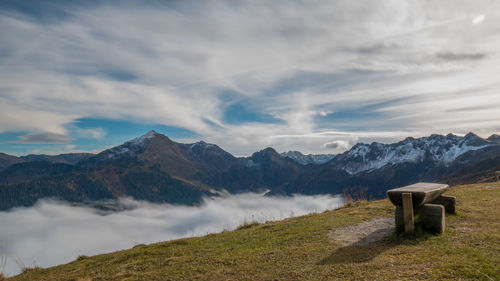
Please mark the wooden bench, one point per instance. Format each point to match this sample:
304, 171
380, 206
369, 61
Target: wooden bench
497, 173
422, 200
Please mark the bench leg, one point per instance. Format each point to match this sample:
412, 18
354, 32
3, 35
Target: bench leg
447, 201
399, 220
431, 218
408, 213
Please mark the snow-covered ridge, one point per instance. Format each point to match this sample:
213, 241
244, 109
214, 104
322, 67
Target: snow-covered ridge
436, 148
140, 140
201, 144
129, 148
309, 158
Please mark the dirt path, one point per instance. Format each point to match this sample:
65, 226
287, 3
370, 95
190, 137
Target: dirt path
365, 233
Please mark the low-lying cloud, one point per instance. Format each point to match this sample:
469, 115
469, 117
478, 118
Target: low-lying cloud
338, 144
53, 232
44, 138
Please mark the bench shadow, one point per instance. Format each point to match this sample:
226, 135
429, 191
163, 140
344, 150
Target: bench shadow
362, 251
371, 246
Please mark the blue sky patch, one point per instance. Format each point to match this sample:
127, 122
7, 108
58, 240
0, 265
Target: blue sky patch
239, 113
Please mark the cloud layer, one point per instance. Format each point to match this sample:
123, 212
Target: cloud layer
41, 138
53, 232
292, 68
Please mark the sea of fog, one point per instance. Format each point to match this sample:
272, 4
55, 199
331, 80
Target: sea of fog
55, 232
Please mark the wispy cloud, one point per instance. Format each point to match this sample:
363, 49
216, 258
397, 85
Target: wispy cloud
94, 133
290, 60
52, 232
460, 56
44, 138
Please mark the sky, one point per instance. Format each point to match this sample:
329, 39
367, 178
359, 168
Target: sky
53, 232
313, 76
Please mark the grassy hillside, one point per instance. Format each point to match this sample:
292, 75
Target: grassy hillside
301, 249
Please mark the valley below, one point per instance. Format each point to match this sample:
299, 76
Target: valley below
53, 232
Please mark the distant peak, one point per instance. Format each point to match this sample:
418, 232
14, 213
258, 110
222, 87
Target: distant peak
140, 140
304, 159
150, 133
203, 144
494, 138
433, 136
471, 135
291, 153
268, 151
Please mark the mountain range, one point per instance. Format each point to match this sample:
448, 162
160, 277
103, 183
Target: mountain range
152, 167
302, 159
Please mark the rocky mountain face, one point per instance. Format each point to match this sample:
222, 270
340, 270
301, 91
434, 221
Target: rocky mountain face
442, 150
371, 169
155, 168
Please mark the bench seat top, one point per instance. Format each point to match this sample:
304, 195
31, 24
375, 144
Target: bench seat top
421, 192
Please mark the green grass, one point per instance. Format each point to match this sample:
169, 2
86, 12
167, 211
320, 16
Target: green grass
300, 249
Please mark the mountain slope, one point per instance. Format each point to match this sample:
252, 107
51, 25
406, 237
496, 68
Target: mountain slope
29, 171
474, 166
67, 158
494, 138
8, 160
303, 248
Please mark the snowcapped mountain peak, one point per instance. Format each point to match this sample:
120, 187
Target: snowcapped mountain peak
129, 148
202, 144
471, 135
302, 159
408, 139
140, 140
266, 151
437, 148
